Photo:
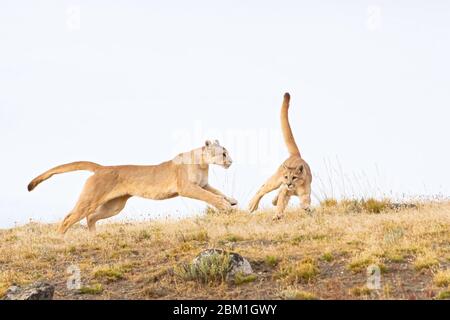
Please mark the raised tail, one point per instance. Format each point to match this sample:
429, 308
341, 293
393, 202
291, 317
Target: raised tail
81, 165
286, 128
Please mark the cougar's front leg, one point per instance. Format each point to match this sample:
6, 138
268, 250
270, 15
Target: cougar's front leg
282, 201
275, 200
232, 201
273, 183
196, 192
304, 193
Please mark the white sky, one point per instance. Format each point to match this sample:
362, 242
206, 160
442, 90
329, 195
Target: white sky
135, 82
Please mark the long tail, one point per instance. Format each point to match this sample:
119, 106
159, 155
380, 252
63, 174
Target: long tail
81, 165
286, 128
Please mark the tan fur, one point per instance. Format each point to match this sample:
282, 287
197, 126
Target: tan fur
293, 177
107, 191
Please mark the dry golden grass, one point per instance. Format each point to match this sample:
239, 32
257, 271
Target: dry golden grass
323, 255
442, 278
360, 291
294, 294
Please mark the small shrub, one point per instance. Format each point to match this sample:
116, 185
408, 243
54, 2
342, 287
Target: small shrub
443, 295
392, 234
96, 288
329, 203
442, 278
360, 291
396, 258
233, 238
374, 206
240, 278
209, 269
12, 238
110, 273
271, 261
303, 271
351, 205
184, 247
327, 256
293, 294
387, 291
359, 264
3, 289
425, 262
299, 239
144, 235
201, 236
72, 250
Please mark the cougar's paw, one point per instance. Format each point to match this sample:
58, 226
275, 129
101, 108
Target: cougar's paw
275, 201
223, 204
276, 217
232, 201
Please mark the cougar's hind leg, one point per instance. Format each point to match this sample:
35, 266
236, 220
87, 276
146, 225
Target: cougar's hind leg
81, 210
106, 210
90, 199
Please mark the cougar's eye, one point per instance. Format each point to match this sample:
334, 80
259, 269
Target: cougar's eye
294, 178
224, 155
285, 177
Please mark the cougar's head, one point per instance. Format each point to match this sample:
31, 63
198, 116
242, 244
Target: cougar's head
214, 153
293, 177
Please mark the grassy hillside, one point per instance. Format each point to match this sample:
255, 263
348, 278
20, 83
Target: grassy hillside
322, 255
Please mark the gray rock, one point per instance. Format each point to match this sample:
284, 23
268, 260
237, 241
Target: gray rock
36, 291
238, 264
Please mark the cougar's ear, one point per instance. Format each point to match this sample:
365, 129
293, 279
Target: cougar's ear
208, 143
300, 168
285, 167
216, 142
